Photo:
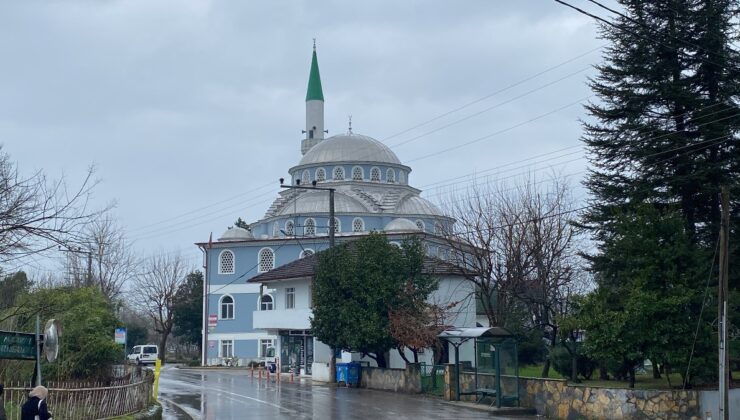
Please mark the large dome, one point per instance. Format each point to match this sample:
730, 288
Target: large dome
349, 148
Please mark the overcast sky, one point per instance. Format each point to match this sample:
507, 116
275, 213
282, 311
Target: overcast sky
191, 110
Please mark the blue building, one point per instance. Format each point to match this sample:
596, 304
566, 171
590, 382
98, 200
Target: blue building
373, 193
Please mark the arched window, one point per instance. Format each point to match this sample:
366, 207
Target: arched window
401, 177
320, 175
358, 174
227, 307
306, 178
338, 173
337, 225
266, 303
289, 228
390, 175
358, 225
306, 253
309, 227
226, 262
420, 225
438, 228
275, 229
375, 174
266, 260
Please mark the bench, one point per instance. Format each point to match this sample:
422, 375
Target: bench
485, 392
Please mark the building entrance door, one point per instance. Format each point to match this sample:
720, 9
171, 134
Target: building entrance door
296, 353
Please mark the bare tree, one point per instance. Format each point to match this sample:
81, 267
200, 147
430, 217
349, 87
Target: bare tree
153, 293
105, 260
37, 214
521, 250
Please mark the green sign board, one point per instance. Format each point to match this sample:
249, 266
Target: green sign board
15, 345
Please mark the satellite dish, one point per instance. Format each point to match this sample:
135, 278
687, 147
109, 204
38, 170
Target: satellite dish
52, 332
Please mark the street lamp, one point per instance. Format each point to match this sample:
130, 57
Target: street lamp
313, 186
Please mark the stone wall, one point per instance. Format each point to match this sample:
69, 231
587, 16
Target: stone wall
554, 398
399, 380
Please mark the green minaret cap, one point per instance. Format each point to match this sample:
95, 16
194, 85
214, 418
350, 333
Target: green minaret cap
314, 93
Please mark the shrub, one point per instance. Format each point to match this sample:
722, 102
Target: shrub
562, 363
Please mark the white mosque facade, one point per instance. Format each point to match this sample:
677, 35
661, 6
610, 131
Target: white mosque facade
244, 318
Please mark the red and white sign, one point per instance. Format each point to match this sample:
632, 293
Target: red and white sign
212, 320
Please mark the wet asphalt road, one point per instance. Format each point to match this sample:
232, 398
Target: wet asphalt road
233, 394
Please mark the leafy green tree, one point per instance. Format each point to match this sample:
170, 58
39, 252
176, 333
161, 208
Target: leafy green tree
87, 346
649, 299
11, 288
188, 309
241, 224
355, 287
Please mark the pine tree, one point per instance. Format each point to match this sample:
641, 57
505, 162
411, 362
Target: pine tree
663, 134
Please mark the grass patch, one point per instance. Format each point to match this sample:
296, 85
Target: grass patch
535, 371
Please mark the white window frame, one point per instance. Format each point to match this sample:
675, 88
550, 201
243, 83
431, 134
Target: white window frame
290, 303
423, 226
437, 228
220, 262
312, 226
306, 177
259, 259
289, 228
221, 307
221, 347
361, 172
373, 171
272, 302
276, 229
390, 179
362, 228
320, 175
338, 170
306, 252
268, 343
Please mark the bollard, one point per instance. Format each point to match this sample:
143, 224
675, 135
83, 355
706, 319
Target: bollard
260, 373
251, 370
277, 370
291, 376
268, 374
155, 388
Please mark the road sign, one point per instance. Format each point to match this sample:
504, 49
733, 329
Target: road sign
212, 320
120, 336
15, 345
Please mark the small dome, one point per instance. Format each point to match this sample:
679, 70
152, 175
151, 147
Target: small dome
236, 234
401, 225
318, 202
417, 205
349, 148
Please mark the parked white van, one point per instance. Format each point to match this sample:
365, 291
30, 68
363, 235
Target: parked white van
143, 354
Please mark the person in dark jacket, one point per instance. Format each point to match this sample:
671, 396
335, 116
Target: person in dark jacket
35, 407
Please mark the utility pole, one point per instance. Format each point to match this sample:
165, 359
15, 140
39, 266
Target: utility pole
332, 229
723, 290
88, 281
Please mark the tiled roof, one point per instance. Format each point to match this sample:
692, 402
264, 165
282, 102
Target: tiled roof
305, 267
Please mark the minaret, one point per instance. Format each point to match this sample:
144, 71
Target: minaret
314, 107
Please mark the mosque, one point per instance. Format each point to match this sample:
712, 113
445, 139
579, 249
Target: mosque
259, 279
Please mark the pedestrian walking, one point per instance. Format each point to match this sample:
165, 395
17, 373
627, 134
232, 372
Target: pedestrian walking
2, 403
35, 407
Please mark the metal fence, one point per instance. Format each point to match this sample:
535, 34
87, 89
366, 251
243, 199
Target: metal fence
432, 379
74, 400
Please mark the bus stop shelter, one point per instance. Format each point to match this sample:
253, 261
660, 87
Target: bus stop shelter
496, 367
